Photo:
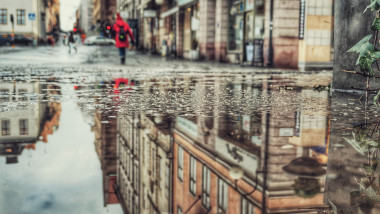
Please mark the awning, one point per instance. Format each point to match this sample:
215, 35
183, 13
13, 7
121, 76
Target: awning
169, 12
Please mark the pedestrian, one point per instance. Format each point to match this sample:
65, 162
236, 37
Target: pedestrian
71, 42
121, 30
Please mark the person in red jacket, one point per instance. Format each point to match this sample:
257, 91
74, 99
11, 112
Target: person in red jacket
122, 31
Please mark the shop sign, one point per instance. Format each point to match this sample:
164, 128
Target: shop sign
150, 13
194, 23
302, 20
246, 123
249, 4
183, 2
236, 155
124, 14
187, 127
286, 132
169, 12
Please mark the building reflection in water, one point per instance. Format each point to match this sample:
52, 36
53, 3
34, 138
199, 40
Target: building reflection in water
35, 115
216, 154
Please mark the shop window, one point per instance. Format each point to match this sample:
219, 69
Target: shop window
21, 17
235, 25
3, 16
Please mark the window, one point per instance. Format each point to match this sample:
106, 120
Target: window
5, 127
24, 127
3, 16
22, 95
167, 181
222, 197
20, 17
4, 95
206, 187
235, 25
246, 207
180, 163
193, 175
159, 172
179, 210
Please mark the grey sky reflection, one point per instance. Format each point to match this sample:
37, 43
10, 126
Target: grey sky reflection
62, 176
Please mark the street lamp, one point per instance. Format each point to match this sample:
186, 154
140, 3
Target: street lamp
237, 173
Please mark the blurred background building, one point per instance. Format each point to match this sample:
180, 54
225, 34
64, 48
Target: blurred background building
35, 19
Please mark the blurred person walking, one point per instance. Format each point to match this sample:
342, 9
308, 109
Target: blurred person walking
121, 30
71, 43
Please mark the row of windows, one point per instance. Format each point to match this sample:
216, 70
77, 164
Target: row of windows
6, 127
246, 206
20, 16
5, 95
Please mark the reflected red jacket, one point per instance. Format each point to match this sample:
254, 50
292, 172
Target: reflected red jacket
116, 27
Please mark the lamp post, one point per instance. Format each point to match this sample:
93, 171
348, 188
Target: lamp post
237, 173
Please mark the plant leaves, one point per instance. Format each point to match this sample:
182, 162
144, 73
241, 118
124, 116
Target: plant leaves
366, 64
376, 99
333, 206
356, 146
375, 5
361, 44
376, 24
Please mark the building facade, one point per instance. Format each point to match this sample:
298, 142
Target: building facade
34, 19
287, 34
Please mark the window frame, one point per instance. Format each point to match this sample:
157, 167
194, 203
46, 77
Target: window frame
193, 176
9, 127
6, 16
25, 130
222, 197
247, 206
206, 187
22, 16
180, 163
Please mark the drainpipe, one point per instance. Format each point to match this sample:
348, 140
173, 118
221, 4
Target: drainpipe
270, 51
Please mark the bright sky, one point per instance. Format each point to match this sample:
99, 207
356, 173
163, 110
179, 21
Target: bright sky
68, 8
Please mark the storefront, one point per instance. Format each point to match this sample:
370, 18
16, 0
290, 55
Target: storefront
190, 28
245, 29
168, 31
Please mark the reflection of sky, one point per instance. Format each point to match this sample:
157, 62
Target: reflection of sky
67, 13
63, 176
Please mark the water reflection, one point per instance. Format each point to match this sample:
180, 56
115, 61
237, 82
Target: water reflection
36, 117
216, 146
195, 144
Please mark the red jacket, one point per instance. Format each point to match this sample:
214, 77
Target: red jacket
116, 27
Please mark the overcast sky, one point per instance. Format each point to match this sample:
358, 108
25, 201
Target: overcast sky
68, 8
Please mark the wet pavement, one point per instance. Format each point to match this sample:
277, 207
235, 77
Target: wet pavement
165, 136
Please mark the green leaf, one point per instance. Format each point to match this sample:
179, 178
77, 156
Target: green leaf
333, 206
356, 146
375, 4
376, 24
361, 44
366, 64
376, 99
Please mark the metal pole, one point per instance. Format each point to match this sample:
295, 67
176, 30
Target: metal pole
270, 51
